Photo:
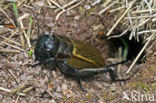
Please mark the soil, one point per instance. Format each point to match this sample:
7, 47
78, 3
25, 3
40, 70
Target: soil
81, 25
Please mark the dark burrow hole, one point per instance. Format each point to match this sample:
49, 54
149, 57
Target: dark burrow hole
133, 45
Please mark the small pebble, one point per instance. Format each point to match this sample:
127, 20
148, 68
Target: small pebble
100, 100
23, 77
87, 7
64, 87
77, 17
106, 84
39, 3
96, 2
68, 14
113, 88
1, 96
98, 85
58, 95
51, 24
68, 95
62, 2
52, 101
58, 89
20, 62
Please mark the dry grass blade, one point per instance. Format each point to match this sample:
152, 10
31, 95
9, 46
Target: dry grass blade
3, 50
149, 6
9, 91
117, 9
120, 59
142, 11
19, 30
11, 41
146, 31
13, 46
12, 34
7, 16
102, 11
49, 93
143, 23
17, 98
21, 38
29, 31
28, 89
27, 6
68, 4
139, 54
17, 89
123, 15
60, 7
58, 15
22, 27
116, 36
140, 17
14, 76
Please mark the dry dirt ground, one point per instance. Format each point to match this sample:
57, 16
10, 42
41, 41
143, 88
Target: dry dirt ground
79, 24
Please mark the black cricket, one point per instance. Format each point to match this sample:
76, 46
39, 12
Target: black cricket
73, 58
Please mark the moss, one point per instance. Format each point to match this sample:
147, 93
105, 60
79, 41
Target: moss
142, 86
108, 96
152, 69
153, 88
105, 95
81, 11
111, 97
88, 96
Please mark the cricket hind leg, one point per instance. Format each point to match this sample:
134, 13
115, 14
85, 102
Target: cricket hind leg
78, 80
72, 72
113, 76
88, 72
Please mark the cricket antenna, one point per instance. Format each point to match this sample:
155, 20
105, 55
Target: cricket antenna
37, 24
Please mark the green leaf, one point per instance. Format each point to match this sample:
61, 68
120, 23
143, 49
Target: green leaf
30, 52
15, 10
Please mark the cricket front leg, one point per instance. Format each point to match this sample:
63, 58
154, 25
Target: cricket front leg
41, 62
